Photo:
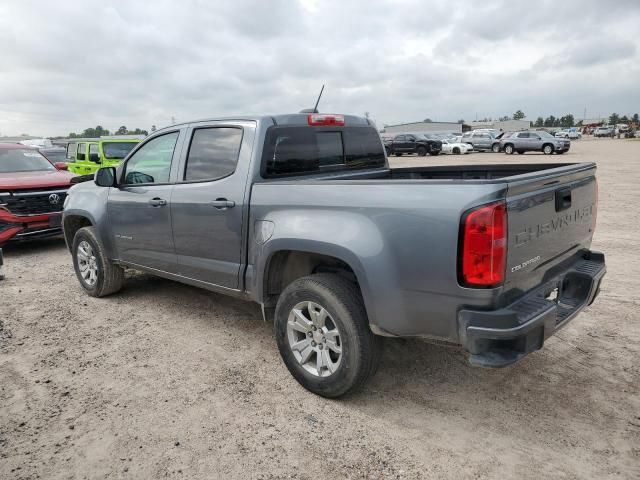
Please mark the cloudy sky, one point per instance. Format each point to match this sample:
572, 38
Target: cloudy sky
68, 64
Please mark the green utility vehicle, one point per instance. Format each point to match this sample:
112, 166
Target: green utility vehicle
87, 156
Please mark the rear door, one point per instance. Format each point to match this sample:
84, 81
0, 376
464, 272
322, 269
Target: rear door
140, 208
551, 218
208, 202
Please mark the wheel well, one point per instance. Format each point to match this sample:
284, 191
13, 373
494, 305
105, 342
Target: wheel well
545, 144
72, 224
288, 265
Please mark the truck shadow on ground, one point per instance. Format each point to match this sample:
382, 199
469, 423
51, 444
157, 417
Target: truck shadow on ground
412, 371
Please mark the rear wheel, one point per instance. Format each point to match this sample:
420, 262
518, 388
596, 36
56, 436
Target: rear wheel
96, 274
323, 335
495, 148
434, 154
508, 149
520, 152
547, 149
421, 151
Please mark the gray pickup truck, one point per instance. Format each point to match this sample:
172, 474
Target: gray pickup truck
302, 214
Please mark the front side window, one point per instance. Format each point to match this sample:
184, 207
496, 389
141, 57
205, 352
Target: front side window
82, 148
213, 153
152, 162
523, 135
400, 138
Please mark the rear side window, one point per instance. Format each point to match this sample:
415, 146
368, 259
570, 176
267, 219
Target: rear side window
308, 150
93, 153
213, 153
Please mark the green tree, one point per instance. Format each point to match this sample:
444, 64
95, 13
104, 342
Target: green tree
122, 130
461, 120
153, 128
550, 121
624, 119
539, 122
636, 119
519, 115
426, 120
614, 118
567, 121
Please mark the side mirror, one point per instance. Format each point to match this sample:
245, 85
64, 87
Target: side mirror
106, 177
61, 166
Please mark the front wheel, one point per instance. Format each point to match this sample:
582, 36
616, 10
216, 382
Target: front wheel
96, 274
456, 151
547, 149
323, 335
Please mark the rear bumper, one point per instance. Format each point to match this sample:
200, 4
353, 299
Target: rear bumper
23, 227
502, 337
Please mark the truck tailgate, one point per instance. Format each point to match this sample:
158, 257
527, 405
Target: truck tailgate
551, 219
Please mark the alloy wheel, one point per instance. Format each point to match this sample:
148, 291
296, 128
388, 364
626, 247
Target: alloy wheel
314, 339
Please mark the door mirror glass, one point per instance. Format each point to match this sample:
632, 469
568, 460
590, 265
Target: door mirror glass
106, 177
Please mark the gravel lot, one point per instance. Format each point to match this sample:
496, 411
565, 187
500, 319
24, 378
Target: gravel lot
165, 380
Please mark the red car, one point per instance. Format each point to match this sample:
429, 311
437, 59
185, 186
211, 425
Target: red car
32, 194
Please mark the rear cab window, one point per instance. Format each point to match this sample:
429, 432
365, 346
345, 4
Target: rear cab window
303, 150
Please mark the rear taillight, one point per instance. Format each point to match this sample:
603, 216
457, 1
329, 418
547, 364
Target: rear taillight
322, 119
483, 247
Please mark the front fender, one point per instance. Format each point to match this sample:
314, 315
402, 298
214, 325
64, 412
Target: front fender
89, 201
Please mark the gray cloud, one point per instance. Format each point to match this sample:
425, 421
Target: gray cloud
64, 68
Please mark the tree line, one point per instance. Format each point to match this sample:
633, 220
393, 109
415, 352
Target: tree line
99, 131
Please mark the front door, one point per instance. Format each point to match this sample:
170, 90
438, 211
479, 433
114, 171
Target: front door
207, 203
140, 208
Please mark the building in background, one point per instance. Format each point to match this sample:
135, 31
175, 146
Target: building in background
423, 127
504, 125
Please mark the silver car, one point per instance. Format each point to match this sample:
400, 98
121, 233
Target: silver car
534, 141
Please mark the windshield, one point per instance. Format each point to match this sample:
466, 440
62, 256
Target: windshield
23, 160
117, 150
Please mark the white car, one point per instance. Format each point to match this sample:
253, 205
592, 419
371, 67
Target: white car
455, 147
571, 134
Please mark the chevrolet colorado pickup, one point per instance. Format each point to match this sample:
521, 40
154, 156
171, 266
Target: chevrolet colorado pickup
303, 215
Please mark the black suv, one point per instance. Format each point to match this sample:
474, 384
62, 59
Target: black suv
409, 143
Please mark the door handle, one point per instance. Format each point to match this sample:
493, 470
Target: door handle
157, 202
222, 203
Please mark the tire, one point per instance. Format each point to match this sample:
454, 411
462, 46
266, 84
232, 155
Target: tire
560, 153
520, 152
108, 276
421, 151
398, 154
508, 149
360, 349
456, 151
434, 154
495, 148
547, 149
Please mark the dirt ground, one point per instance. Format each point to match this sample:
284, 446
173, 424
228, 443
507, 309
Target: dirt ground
167, 381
